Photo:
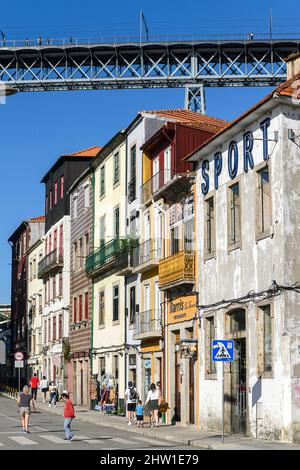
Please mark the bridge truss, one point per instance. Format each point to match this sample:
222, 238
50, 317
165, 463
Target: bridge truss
168, 64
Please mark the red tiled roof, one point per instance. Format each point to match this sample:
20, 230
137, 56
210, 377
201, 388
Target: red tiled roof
89, 152
38, 219
184, 115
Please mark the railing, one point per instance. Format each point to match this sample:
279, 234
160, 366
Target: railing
75, 41
132, 190
155, 183
111, 251
53, 259
148, 321
149, 250
177, 268
7, 389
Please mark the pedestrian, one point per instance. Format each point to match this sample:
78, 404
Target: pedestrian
44, 387
153, 399
24, 401
53, 393
140, 414
131, 396
39, 41
69, 415
34, 383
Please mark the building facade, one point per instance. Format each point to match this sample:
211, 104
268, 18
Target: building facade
81, 210
55, 267
5, 340
21, 240
248, 269
34, 309
109, 259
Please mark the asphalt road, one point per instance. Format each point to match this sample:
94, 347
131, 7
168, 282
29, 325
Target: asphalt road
47, 433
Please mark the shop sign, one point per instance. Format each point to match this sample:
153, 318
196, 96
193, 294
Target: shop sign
182, 309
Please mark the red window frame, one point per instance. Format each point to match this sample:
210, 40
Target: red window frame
61, 239
80, 308
49, 328
60, 326
55, 192
62, 186
50, 199
54, 286
75, 309
54, 329
60, 281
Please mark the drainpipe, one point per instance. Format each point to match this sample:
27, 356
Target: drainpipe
125, 277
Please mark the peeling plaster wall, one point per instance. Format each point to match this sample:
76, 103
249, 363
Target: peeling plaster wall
232, 274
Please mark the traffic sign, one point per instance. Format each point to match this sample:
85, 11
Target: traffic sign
19, 364
19, 356
222, 350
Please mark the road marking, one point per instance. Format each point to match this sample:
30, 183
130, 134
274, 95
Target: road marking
24, 441
119, 440
152, 441
57, 440
90, 440
1, 445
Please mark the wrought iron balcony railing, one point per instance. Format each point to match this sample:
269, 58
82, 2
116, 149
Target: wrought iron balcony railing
148, 322
170, 184
177, 269
155, 183
51, 261
147, 253
113, 252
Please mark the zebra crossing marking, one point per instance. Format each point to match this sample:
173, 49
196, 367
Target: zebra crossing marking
55, 439
22, 440
152, 441
119, 440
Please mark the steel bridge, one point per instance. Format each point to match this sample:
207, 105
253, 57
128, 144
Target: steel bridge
192, 64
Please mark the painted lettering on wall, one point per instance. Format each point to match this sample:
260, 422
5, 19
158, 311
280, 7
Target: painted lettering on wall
233, 158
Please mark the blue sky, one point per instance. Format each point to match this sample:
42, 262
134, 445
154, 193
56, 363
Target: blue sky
38, 127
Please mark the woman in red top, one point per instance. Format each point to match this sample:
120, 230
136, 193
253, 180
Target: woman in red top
34, 383
69, 415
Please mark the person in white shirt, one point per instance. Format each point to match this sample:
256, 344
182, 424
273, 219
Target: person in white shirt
131, 396
44, 387
153, 398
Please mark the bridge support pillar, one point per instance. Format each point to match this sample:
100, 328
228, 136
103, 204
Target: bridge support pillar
195, 98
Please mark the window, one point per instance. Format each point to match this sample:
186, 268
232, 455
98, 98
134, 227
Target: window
102, 230
54, 328
102, 366
237, 320
55, 192
116, 367
87, 196
116, 168
132, 182
80, 308
60, 284
80, 253
234, 215
86, 243
209, 227
54, 286
101, 308
60, 326
189, 234
62, 186
86, 306
117, 222
50, 199
132, 305
61, 240
174, 242
75, 310
75, 256
49, 327
55, 240
210, 335
102, 180
263, 202
45, 331
46, 205
115, 303
265, 340
75, 207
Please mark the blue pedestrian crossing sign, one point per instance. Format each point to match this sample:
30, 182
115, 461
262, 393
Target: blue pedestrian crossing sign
222, 350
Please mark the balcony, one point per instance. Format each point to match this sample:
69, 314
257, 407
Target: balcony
52, 262
148, 325
146, 256
132, 190
114, 254
168, 184
177, 269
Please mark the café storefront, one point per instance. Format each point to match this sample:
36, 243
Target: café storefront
181, 340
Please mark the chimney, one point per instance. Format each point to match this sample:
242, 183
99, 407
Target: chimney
293, 65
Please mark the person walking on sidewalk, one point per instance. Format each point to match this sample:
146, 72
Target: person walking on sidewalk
131, 396
34, 383
44, 387
24, 401
153, 399
69, 415
53, 394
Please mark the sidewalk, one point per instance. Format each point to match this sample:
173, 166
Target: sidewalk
179, 435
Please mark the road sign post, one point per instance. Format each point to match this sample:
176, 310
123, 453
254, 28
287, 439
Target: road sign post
19, 363
222, 351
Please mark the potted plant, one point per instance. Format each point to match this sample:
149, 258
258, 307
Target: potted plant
163, 408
